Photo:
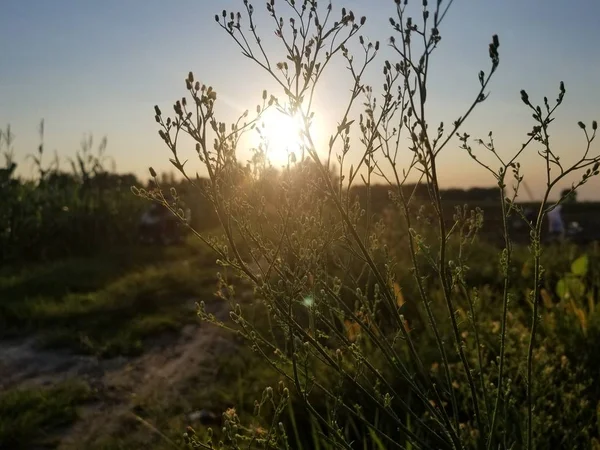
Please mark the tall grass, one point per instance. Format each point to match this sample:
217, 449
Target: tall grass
59, 213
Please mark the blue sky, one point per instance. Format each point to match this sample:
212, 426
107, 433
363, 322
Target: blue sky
100, 66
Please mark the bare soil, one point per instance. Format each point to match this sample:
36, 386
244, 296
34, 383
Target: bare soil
120, 383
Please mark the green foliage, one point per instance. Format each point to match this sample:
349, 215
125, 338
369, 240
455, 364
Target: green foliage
579, 267
106, 306
28, 417
64, 214
566, 359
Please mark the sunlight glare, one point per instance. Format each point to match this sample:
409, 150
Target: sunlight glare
281, 133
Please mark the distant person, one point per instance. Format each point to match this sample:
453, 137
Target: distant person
556, 225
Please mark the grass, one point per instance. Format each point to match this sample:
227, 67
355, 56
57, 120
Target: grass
106, 305
240, 377
161, 418
111, 305
28, 417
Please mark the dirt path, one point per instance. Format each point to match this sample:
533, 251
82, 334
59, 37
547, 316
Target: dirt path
121, 383
24, 364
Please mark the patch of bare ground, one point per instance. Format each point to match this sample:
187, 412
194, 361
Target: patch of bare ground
164, 372
123, 386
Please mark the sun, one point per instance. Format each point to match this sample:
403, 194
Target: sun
281, 135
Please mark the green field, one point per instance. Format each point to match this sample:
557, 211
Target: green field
295, 272
131, 312
128, 313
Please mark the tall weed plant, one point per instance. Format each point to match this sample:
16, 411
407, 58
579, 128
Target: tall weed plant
371, 318
62, 213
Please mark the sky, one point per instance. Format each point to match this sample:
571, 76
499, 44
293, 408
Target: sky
100, 66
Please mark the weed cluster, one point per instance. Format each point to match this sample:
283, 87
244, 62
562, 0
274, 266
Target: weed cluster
388, 342
64, 213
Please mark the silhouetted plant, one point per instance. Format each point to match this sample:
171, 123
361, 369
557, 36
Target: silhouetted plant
393, 341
